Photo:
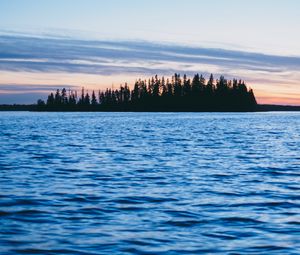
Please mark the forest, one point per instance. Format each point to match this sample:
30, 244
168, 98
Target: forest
158, 94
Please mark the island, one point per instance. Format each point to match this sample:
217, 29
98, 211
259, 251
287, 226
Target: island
159, 94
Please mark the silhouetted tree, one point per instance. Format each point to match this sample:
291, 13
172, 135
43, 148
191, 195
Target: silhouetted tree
50, 100
94, 99
63, 98
87, 100
210, 85
41, 102
57, 99
162, 95
72, 99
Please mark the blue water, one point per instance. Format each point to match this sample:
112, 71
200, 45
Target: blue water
149, 183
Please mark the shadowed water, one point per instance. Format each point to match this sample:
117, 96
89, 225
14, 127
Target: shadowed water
149, 183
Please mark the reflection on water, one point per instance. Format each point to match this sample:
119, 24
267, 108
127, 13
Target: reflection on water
149, 183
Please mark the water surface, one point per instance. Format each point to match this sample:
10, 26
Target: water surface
149, 183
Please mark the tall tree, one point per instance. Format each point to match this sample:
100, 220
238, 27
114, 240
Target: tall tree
94, 99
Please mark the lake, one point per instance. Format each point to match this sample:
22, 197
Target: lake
149, 183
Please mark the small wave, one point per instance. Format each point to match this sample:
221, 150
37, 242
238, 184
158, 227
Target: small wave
142, 199
185, 223
185, 214
47, 251
293, 223
241, 220
23, 202
220, 236
267, 205
267, 248
77, 199
131, 208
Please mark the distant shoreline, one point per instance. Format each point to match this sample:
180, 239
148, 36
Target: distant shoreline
36, 108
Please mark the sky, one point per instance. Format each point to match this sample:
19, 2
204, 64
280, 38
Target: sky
50, 44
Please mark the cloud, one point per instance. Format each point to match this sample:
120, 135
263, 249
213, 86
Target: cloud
36, 54
21, 88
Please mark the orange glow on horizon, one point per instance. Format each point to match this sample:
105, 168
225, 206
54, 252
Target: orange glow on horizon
266, 93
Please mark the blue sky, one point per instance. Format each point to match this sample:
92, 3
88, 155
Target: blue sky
265, 29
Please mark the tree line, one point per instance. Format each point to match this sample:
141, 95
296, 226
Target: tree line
159, 94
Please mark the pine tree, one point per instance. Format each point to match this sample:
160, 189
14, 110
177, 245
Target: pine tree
94, 99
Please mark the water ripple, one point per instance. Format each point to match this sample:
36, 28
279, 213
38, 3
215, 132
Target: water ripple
149, 183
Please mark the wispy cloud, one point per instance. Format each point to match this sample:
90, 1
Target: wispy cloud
20, 88
35, 54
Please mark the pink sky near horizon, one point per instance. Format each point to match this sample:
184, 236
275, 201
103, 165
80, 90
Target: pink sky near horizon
266, 92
